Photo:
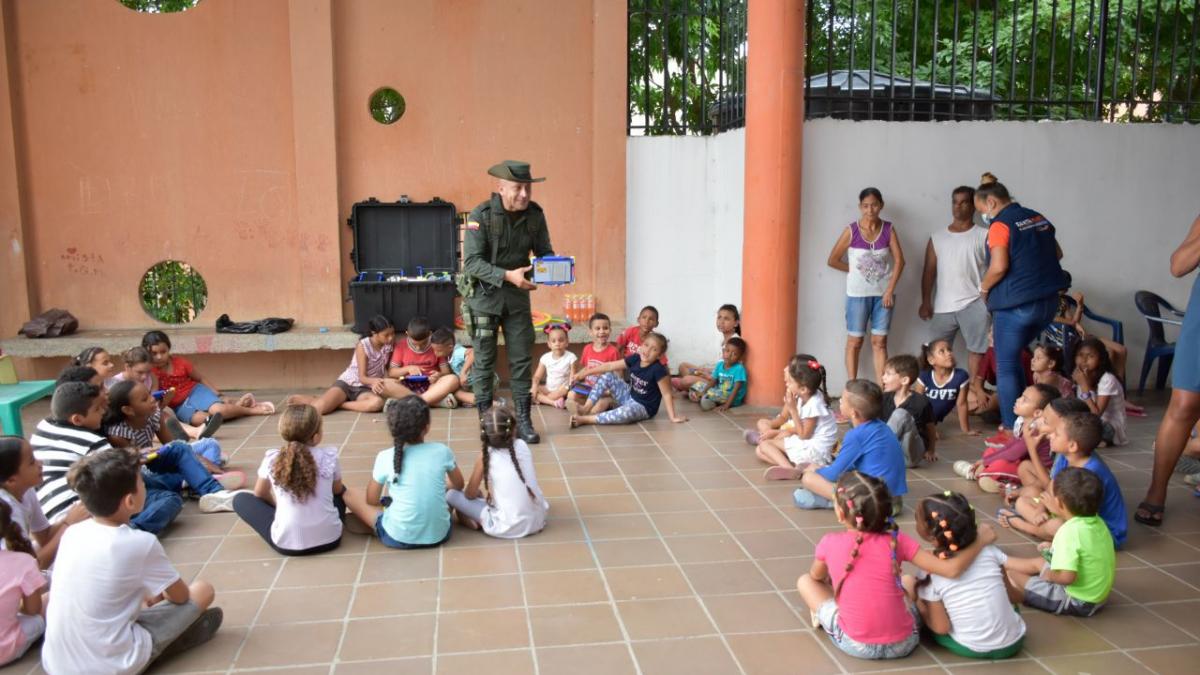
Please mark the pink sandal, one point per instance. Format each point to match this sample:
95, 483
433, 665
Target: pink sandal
560, 403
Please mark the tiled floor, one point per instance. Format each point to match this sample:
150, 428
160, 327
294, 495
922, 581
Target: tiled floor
665, 553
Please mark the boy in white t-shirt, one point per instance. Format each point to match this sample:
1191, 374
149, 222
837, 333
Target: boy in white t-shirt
556, 369
106, 575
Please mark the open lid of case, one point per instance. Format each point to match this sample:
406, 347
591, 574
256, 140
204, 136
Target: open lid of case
402, 235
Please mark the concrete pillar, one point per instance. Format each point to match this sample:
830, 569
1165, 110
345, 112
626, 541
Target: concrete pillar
771, 248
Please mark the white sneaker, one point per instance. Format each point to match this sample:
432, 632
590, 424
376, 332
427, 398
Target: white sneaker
964, 469
218, 501
449, 402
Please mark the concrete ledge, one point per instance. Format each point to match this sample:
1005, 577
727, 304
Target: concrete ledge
189, 340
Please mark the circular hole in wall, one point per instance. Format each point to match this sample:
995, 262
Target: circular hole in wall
386, 105
159, 6
173, 292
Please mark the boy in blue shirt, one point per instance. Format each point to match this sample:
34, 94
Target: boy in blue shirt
727, 384
1073, 440
870, 448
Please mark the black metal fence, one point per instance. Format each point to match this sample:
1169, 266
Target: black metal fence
1115, 60
686, 66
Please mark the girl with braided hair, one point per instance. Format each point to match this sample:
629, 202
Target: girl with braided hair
514, 506
854, 588
972, 615
298, 503
415, 473
21, 586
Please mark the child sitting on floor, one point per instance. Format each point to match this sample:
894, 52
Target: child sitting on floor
99, 359
20, 475
21, 587
982, 397
1002, 464
944, 385
1098, 387
971, 616
908, 413
132, 422
1079, 575
555, 369
804, 402
697, 377
1045, 365
637, 399
631, 338
600, 351
854, 589
195, 398
416, 370
353, 389
870, 447
72, 432
297, 506
462, 363
415, 473
781, 425
726, 386
514, 506
117, 604
138, 369
1074, 441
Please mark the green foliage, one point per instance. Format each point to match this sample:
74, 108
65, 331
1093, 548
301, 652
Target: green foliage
173, 292
679, 65
159, 6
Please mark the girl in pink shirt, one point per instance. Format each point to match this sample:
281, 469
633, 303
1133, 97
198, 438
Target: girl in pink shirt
854, 588
21, 586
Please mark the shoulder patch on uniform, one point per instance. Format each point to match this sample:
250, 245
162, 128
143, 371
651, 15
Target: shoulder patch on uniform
472, 225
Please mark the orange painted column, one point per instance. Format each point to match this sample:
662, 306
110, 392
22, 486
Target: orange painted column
771, 246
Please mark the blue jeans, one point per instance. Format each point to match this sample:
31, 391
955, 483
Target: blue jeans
162, 505
1013, 329
177, 463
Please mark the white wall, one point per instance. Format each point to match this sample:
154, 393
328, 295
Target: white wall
1122, 197
684, 235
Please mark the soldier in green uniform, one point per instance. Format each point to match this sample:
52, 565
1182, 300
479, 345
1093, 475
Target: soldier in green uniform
501, 233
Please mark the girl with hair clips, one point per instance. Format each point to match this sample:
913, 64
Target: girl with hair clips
515, 506
298, 502
854, 588
815, 429
972, 615
415, 473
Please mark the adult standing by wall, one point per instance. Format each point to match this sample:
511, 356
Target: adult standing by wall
500, 234
955, 259
1184, 409
1021, 284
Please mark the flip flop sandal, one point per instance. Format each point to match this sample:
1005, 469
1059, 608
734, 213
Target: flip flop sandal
1004, 515
211, 425
268, 406
782, 473
1153, 510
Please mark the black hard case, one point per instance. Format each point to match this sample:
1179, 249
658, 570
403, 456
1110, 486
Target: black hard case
397, 238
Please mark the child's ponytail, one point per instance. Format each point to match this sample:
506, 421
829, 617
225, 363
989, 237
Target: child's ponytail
407, 420
809, 373
13, 536
295, 468
119, 396
950, 520
866, 505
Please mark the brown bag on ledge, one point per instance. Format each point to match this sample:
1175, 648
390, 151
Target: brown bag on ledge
51, 323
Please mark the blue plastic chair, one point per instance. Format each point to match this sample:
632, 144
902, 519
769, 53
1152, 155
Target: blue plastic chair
1150, 305
1069, 337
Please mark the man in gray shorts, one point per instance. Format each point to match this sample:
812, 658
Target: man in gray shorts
956, 259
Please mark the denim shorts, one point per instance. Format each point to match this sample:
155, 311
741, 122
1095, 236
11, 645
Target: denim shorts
861, 311
827, 614
389, 542
1053, 598
200, 400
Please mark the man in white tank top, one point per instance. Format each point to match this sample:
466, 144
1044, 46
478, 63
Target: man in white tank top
955, 261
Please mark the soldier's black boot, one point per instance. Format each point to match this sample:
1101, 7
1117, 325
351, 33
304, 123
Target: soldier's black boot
482, 405
525, 430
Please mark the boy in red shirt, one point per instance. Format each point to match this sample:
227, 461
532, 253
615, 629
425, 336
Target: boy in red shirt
416, 369
598, 352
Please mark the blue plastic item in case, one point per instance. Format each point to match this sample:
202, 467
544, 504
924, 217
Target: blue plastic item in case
553, 270
416, 378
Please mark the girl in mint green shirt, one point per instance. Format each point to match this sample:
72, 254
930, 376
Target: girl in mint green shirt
414, 513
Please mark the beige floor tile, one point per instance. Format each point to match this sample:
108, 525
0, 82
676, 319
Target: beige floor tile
573, 624
754, 520
318, 570
421, 665
705, 548
607, 505
1185, 615
1094, 664
780, 653
400, 565
688, 523
1048, 635
292, 605
636, 583
244, 547
215, 655
518, 662
701, 656
541, 557
651, 483
672, 501
775, 544
611, 659
393, 637
290, 644
664, 618
190, 550
558, 588
753, 613
587, 469
486, 630
604, 485
626, 552
1170, 659
487, 592
241, 576
721, 578
479, 561
396, 597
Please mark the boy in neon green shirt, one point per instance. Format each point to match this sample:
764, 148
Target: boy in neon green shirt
1079, 576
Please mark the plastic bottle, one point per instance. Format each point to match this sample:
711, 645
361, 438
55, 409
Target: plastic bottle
591, 306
